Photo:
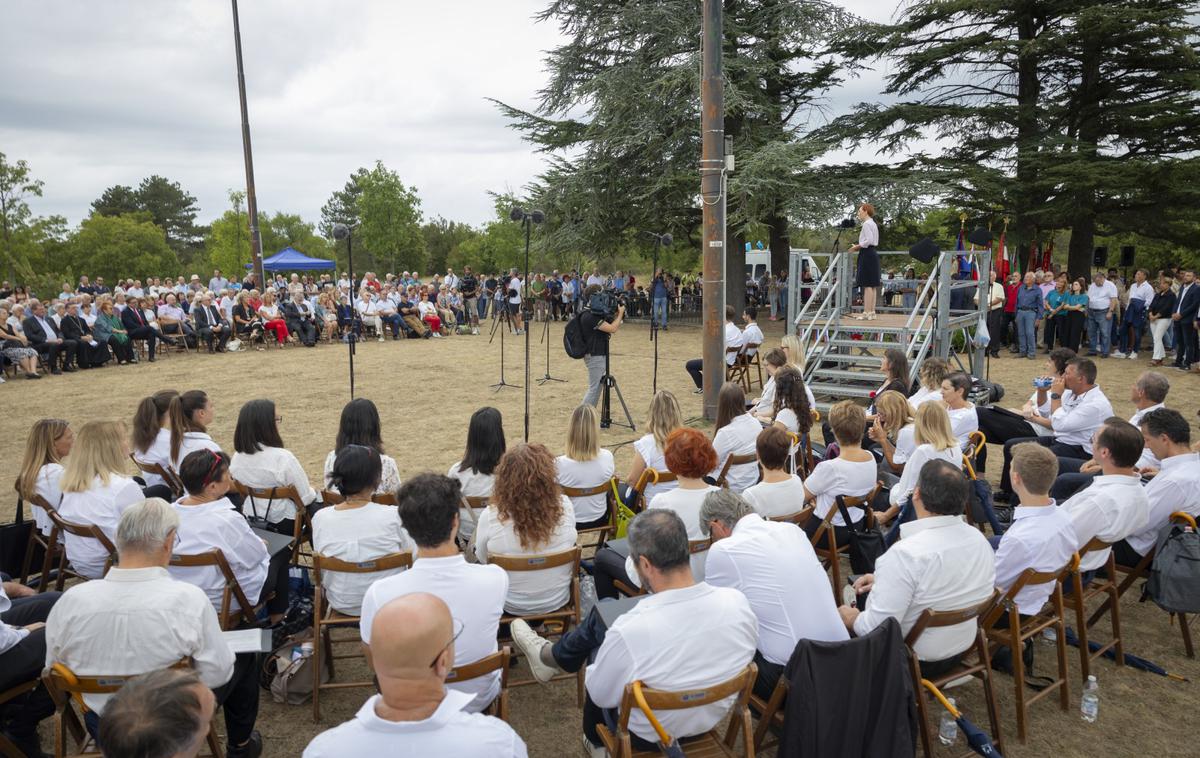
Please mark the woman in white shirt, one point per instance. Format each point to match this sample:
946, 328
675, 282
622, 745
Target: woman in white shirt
792, 411
892, 432
790, 344
262, 461
528, 515
96, 490
586, 465
428, 313
188, 418
665, 417
357, 529
931, 374
485, 446
764, 407
207, 520
48, 444
780, 493
735, 434
152, 439
851, 474
867, 276
935, 442
360, 425
271, 318
963, 420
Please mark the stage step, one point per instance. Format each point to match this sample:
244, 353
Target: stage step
841, 391
836, 374
852, 358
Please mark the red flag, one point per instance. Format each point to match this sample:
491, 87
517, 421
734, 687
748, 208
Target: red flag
1003, 262
1047, 255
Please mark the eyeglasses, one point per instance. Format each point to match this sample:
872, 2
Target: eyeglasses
458, 630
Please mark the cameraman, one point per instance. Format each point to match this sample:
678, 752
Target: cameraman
598, 328
468, 288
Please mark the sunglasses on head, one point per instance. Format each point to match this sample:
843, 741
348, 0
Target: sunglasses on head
208, 478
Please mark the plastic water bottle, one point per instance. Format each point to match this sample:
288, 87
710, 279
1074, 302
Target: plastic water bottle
1089, 705
1050, 634
948, 728
587, 595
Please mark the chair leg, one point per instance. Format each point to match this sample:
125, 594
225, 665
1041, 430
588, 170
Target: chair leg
1115, 612
922, 716
318, 653
1064, 692
214, 741
1018, 662
1187, 634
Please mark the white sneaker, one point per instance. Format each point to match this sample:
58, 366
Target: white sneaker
593, 751
475, 331
1133, 356
380, 339
530, 645
1117, 354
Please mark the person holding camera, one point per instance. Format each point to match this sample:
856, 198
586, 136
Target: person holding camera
598, 324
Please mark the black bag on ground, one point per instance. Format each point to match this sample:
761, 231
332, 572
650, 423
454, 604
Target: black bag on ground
1174, 583
574, 340
14, 538
866, 544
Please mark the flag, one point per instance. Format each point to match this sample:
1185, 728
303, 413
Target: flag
1048, 255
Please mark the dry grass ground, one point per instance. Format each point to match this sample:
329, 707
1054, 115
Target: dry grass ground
426, 391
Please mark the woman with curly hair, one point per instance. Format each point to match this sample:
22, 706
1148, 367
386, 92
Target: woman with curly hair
792, 411
527, 514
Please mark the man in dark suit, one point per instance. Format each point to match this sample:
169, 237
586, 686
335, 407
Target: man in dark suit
211, 324
299, 316
136, 325
73, 327
44, 338
1187, 341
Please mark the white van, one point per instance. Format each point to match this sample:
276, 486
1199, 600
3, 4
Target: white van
758, 261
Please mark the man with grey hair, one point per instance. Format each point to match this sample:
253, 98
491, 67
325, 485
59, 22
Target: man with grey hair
138, 619
773, 564
163, 714
683, 636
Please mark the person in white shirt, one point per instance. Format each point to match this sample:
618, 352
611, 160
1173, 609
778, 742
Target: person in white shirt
356, 529
763, 408
1137, 310
664, 417
852, 474
1000, 425
188, 416
735, 433
780, 493
791, 410
751, 334
935, 442
1176, 486
514, 289
773, 564
262, 461
475, 594
963, 420
930, 376
684, 635
152, 438
586, 465
46, 447
892, 431
162, 713
415, 713
360, 425
1102, 305
941, 563
733, 339
208, 520
528, 515
867, 272
475, 472
1115, 505
138, 619
23, 613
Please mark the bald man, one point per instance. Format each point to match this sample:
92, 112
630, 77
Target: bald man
415, 714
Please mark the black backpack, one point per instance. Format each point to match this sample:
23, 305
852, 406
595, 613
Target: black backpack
574, 341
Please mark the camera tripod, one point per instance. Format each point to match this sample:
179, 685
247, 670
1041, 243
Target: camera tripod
546, 339
608, 382
503, 316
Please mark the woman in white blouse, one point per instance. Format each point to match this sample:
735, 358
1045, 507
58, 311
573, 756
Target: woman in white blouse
764, 407
262, 461
152, 438
48, 444
892, 431
207, 520
867, 276
586, 465
735, 434
931, 374
485, 446
963, 420
665, 417
780, 493
528, 515
935, 442
272, 319
851, 474
792, 412
96, 489
188, 418
357, 529
360, 425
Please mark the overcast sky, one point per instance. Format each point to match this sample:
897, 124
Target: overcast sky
101, 93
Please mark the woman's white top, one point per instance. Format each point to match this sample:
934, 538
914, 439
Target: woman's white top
963, 422
906, 443
529, 591
787, 417
838, 476
652, 456
426, 308
686, 504
766, 403
191, 442
217, 524
356, 535
158, 454
912, 470
776, 498
738, 437
474, 484
47, 486
868, 235
268, 312
924, 395
1039, 410
584, 475
389, 480
271, 467
101, 505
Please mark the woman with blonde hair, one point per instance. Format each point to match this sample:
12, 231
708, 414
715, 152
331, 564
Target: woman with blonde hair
930, 376
326, 313
48, 443
586, 465
272, 319
763, 408
527, 514
96, 489
935, 442
790, 344
246, 323
665, 417
892, 429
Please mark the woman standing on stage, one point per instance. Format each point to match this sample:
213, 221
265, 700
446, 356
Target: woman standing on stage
868, 260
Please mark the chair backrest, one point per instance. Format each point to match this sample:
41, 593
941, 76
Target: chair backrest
539, 562
600, 489
699, 546
863, 502
651, 476
799, 518
497, 661
739, 684
333, 497
233, 588
387, 562
1027, 578
734, 460
978, 440
931, 619
87, 531
167, 473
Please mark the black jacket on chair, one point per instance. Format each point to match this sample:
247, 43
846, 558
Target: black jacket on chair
851, 699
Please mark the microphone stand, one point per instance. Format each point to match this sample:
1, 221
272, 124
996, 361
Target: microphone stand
546, 339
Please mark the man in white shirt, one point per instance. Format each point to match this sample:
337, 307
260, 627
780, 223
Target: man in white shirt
773, 564
414, 712
685, 635
995, 316
733, 338
165, 712
217, 282
1141, 293
1115, 505
1176, 486
940, 563
138, 619
1102, 303
512, 295
475, 593
23, 614
751, 334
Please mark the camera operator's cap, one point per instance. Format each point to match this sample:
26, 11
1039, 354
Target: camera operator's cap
925, 250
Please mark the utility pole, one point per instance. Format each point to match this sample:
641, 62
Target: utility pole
712, 168
251, 199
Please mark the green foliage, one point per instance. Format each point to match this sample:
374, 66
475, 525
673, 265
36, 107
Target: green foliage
16, 184
169, 206
442, 237
283, 230
228, 240
499, 246
117, 200
390, 220
120, 246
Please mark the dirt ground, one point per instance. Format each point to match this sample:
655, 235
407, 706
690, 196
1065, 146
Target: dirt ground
426, 391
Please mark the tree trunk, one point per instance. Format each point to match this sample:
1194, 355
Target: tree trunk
1083, 216
735, 271
781, 244
1029, 89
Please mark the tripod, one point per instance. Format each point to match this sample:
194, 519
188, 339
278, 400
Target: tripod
495, 323
546, 339
609, 382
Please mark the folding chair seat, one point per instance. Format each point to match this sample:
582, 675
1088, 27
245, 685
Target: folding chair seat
86, 531
980, 667
302, 529
736, 371
619, 744
735, 460
1018, 631
1100, 586
230, 617
753, 361
501, 661
831, 553
326, 618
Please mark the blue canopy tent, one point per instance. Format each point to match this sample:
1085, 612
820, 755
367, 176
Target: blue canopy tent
291, 259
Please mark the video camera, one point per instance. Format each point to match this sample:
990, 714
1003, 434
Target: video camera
605, 304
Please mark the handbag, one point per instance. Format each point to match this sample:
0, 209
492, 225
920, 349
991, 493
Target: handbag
14, 540
292, 675
866, 544
623, 513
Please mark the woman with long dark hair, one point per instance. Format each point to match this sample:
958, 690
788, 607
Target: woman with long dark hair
188, 418
152, 438
360, 425
475, 472
261, 460
735, 433
791, 410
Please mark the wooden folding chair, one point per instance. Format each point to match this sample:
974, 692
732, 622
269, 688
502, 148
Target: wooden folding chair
333, 497
650, 476
753, 362
602, 532
830, 554
694, 547
229, 616
302, 528
565, 618
619, 744
501, 661
166, 473
7, 748
980, 668
1019, 631
326, 618
735, 460
1080, 595
51, 550
736, 371
770, 714
799, 518
86, 531
67, 690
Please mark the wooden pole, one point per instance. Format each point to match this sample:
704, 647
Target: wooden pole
251, 198
712, 174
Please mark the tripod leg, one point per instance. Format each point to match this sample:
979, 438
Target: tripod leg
624, 407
